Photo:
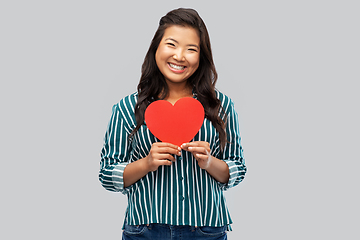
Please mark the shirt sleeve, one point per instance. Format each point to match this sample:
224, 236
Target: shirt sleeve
233, 151
115, 153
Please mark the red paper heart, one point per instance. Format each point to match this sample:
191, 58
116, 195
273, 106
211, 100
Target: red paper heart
175, 124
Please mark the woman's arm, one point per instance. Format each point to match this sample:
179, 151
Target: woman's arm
116, 172
160, 154
232, 153
114, 153
228, 168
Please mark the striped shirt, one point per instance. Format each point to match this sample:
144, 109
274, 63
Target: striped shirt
180, 194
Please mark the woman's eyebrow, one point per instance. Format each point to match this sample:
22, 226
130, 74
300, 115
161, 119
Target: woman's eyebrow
171, 40
193, 45
190, 45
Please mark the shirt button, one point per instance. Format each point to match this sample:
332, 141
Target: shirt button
182, 198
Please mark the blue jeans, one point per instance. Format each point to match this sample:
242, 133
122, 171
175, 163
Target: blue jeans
169, 232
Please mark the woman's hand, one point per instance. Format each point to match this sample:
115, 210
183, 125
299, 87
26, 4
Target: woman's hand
217, 168
201, 152
161, 154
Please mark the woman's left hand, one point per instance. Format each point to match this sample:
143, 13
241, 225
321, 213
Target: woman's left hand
201, 152
217, 168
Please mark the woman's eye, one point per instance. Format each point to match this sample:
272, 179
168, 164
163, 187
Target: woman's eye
193, 49
171, 44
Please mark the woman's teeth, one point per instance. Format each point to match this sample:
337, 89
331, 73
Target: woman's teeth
176, 66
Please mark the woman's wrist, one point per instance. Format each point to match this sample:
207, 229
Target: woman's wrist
145, 164
218, 169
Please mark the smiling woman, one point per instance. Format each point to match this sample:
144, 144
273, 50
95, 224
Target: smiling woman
175, 189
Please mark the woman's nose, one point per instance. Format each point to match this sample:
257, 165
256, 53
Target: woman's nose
179, 56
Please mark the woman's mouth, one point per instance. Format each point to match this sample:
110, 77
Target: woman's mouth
176, 67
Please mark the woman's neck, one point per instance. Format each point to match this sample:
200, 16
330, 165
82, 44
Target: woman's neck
176, 91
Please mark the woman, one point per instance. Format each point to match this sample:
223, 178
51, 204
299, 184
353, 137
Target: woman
172, 190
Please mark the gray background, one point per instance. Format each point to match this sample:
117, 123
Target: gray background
291, 68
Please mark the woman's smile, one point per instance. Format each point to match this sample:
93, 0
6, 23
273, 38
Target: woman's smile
176, 68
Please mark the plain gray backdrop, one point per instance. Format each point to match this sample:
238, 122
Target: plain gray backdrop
291, 67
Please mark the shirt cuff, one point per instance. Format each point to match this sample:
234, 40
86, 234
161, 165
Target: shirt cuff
235, 175
118, 178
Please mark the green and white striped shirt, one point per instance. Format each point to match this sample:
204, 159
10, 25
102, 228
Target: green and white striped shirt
180, 194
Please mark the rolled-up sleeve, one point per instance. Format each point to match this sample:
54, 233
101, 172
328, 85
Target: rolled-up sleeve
115, 153
233, 151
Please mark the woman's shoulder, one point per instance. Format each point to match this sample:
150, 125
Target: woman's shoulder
125, 109
225, 100
126, 105
128, 101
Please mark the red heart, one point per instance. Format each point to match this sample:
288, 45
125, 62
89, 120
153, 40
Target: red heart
175, 124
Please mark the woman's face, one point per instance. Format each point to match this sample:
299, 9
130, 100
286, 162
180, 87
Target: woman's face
178, 54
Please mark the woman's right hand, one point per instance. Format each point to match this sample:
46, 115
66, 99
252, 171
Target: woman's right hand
161, 154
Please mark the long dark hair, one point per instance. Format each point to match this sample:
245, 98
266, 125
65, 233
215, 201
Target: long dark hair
152, 85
